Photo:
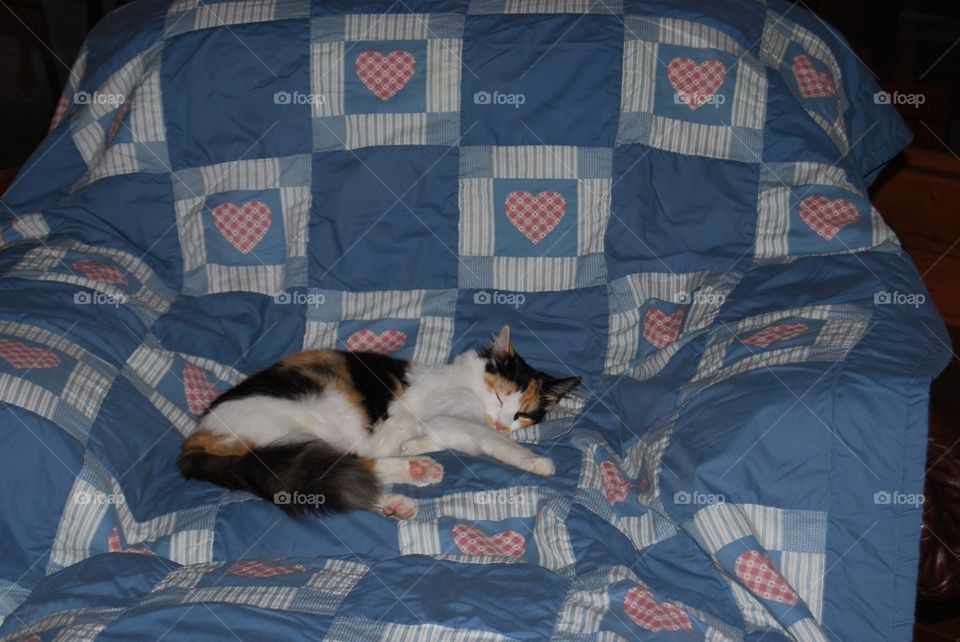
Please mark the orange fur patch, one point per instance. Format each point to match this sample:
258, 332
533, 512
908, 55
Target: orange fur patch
214, 443
498, 384
530, 399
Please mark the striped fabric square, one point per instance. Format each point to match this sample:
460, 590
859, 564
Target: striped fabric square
812, 209
242, 225
624, 491
469, 526
35, 362
480, 7
413, 324
190, 15
385, 79
116, 277
811, 71
89, 526
754, 542
691, 89
119, 128
654, 314
838, 329
180, 386
533, 218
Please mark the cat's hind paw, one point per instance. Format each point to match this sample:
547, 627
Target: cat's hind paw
399, 506
425, 471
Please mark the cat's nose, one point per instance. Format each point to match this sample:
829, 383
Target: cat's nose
502, 427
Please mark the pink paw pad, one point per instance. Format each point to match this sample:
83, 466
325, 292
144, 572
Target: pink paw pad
425, 470
398, 506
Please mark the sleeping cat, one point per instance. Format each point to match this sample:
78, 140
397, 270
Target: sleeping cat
321, 430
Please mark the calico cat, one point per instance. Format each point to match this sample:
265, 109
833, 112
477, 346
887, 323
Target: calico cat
321, 430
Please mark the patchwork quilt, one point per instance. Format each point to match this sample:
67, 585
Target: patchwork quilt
664, 197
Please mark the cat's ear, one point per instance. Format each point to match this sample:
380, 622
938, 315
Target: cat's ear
502, 345
555, 389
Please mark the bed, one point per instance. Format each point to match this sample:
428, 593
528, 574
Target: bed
665, 198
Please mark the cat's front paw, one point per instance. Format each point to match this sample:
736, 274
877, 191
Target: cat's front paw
543, 466
425, 471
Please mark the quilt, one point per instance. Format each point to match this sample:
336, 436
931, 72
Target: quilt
665, 198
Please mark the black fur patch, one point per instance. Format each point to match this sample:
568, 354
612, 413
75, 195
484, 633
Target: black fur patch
276, 381
289, 471
511, 367
376, 377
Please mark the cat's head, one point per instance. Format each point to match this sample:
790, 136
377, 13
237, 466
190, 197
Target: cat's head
516, 395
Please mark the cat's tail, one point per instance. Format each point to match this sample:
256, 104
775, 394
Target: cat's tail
298, 477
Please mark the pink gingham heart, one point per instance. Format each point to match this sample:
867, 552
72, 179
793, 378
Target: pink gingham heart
243, 225
641, 607
259, 568
535, 216
385, 75
615, 487
827, 216
812, 83
696, 84
114, 545
20, 355
776, 334
370, 341
62, 105
473, 541
100, 272
197, 389
758, 573
662, 329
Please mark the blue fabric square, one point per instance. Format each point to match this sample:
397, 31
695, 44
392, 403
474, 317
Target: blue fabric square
561, 240
783, 333
35, 362
542, 325
561, 87
393, 337
369, 203
361, 99
684, 90
228, 233
217, 121
803, 237
663, 219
